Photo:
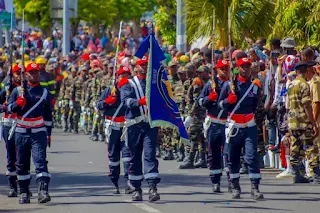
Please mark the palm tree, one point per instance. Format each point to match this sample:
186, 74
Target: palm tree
249, 18
298, 19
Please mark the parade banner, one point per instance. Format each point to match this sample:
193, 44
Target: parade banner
162, 109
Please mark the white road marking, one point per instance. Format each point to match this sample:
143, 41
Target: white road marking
143, 207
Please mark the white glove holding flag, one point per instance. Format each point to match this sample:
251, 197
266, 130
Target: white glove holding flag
188, 121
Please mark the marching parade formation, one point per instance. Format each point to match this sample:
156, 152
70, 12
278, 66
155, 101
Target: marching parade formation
228, 110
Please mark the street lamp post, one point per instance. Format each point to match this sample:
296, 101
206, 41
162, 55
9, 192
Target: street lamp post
181, 39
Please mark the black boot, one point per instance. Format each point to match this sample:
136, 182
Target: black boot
158, 153
201, 163
153, 194
316, 178
255, 193
298, 178
137, 195
180, 154
236, 191
229, 183
94, 137
43, 193
24, 191
188, 163
168, 155
129, 188
216, 188
101, 137
116, 190
13, 186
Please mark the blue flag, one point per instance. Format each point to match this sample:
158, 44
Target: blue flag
162, 109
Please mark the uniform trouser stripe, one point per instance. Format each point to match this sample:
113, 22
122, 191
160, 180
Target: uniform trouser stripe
43, 174
135, 177
215, 171
114, 163
11, 173
233, 176
126, 159
254, 175
23, 177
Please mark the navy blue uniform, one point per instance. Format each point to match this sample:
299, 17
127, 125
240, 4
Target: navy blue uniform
114, 127
31, 133
140, 136
245, 127
214, 128
6, 123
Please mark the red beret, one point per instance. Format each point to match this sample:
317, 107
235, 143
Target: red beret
32, 66
123, 70
222, 63
143, 60
17, 68
243, 61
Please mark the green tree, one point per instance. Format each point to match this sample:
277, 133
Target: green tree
249, 18
298, 19
166, 20
37, 13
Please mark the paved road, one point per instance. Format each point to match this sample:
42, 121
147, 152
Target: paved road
80, 185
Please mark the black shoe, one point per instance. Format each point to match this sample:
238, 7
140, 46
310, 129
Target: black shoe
13, 186
76, 132
101, 138
116, 191
24, 198
201, 163
137, 195
129, 189
298, 178
255, 193
168, 155
43, 194
65, 130
70, 130
188, 161
216, 188
153, 194
236, 191
94, 137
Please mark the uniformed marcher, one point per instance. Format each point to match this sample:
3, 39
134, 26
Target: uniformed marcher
140, 137
76, 90
32, 133
194, 122
46, 79
302, 126
241, 129
6, 124
214, 124
114, 111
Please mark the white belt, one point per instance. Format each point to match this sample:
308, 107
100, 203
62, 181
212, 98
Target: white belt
216, 121
245, 125
7, 121
24, 130
30, 123
139, 119
116, 124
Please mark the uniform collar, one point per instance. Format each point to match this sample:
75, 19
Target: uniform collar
33, 85
141, 77
241, 79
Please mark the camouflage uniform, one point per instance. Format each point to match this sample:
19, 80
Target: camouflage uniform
66, 95
88, 111
300, 128
198, 114
95, 92
76, 90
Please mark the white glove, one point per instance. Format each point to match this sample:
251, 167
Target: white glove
94, 104
71, 104
60, 104
188, 121
83, 109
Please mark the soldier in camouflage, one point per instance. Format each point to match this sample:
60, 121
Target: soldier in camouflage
66, 102
302, 126
167, 133
195, 119
86, 99
77, 90
94, 91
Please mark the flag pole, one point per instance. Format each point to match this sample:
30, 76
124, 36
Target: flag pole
212, 51
230, 56
116, 56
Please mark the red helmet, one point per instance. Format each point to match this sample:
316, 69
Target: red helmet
17, 68
243, 61
222, 63
143, 60
32, 66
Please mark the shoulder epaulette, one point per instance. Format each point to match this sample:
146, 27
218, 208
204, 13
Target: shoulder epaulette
257, 82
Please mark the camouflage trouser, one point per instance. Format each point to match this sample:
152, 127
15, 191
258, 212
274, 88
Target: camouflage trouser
303, 145
260, 115
98, 122
196, 138
67, 115
176, 139
166, 134
76, 115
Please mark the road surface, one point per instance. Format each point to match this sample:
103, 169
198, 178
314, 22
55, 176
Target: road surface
80, 185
